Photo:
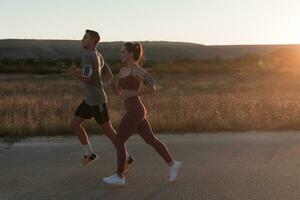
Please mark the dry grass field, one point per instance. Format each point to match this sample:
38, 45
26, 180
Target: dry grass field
34, 105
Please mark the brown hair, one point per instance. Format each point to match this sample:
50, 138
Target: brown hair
136, 49
94, 35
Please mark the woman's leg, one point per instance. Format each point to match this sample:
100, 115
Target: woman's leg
145, 131
127, 126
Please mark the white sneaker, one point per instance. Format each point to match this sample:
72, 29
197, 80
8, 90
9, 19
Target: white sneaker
114, 180
174, 169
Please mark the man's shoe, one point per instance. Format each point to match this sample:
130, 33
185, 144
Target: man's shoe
129, 163
89, 159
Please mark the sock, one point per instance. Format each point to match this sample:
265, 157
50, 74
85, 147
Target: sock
88, 149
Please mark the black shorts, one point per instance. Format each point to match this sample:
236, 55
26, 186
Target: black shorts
99, 112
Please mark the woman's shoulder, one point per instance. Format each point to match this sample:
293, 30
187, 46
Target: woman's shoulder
138, 70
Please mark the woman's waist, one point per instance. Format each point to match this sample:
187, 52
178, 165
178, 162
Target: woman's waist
133, 102
130, 87
129, 83
126, 94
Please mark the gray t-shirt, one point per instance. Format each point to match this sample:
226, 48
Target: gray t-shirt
94, 92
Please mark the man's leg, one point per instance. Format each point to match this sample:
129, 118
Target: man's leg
89, 155
76, 126
82, 113
110, 132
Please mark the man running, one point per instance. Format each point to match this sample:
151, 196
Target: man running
93, 72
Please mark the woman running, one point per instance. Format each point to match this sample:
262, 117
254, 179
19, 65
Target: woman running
128, 86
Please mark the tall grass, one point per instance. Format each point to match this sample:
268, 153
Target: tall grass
44, 105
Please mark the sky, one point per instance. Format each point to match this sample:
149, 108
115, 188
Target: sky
209, 22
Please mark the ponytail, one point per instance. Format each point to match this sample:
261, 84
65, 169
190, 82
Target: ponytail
137, 50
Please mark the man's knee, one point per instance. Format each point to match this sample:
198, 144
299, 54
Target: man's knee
74, 125
107, 127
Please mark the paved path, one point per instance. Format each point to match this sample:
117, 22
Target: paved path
248, 166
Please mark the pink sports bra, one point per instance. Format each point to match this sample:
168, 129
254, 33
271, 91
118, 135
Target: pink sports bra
129, 82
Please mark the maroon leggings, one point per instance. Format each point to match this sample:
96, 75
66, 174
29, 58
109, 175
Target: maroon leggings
135, 120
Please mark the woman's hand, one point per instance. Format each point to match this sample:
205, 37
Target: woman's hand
115, 87
147, 89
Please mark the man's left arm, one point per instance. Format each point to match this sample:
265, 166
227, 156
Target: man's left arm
106, 73
78, 73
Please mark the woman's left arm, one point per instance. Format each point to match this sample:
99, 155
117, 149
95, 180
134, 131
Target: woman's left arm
149, 83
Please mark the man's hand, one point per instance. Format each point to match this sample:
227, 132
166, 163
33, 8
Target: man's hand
77, 73
73, 69
86, 79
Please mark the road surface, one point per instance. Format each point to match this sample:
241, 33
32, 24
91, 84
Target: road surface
233, 166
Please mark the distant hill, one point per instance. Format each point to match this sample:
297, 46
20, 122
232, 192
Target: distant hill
158, 50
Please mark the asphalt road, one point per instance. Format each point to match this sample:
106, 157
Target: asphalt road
233, 166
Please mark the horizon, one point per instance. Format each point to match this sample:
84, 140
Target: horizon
209, 23
262, 44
